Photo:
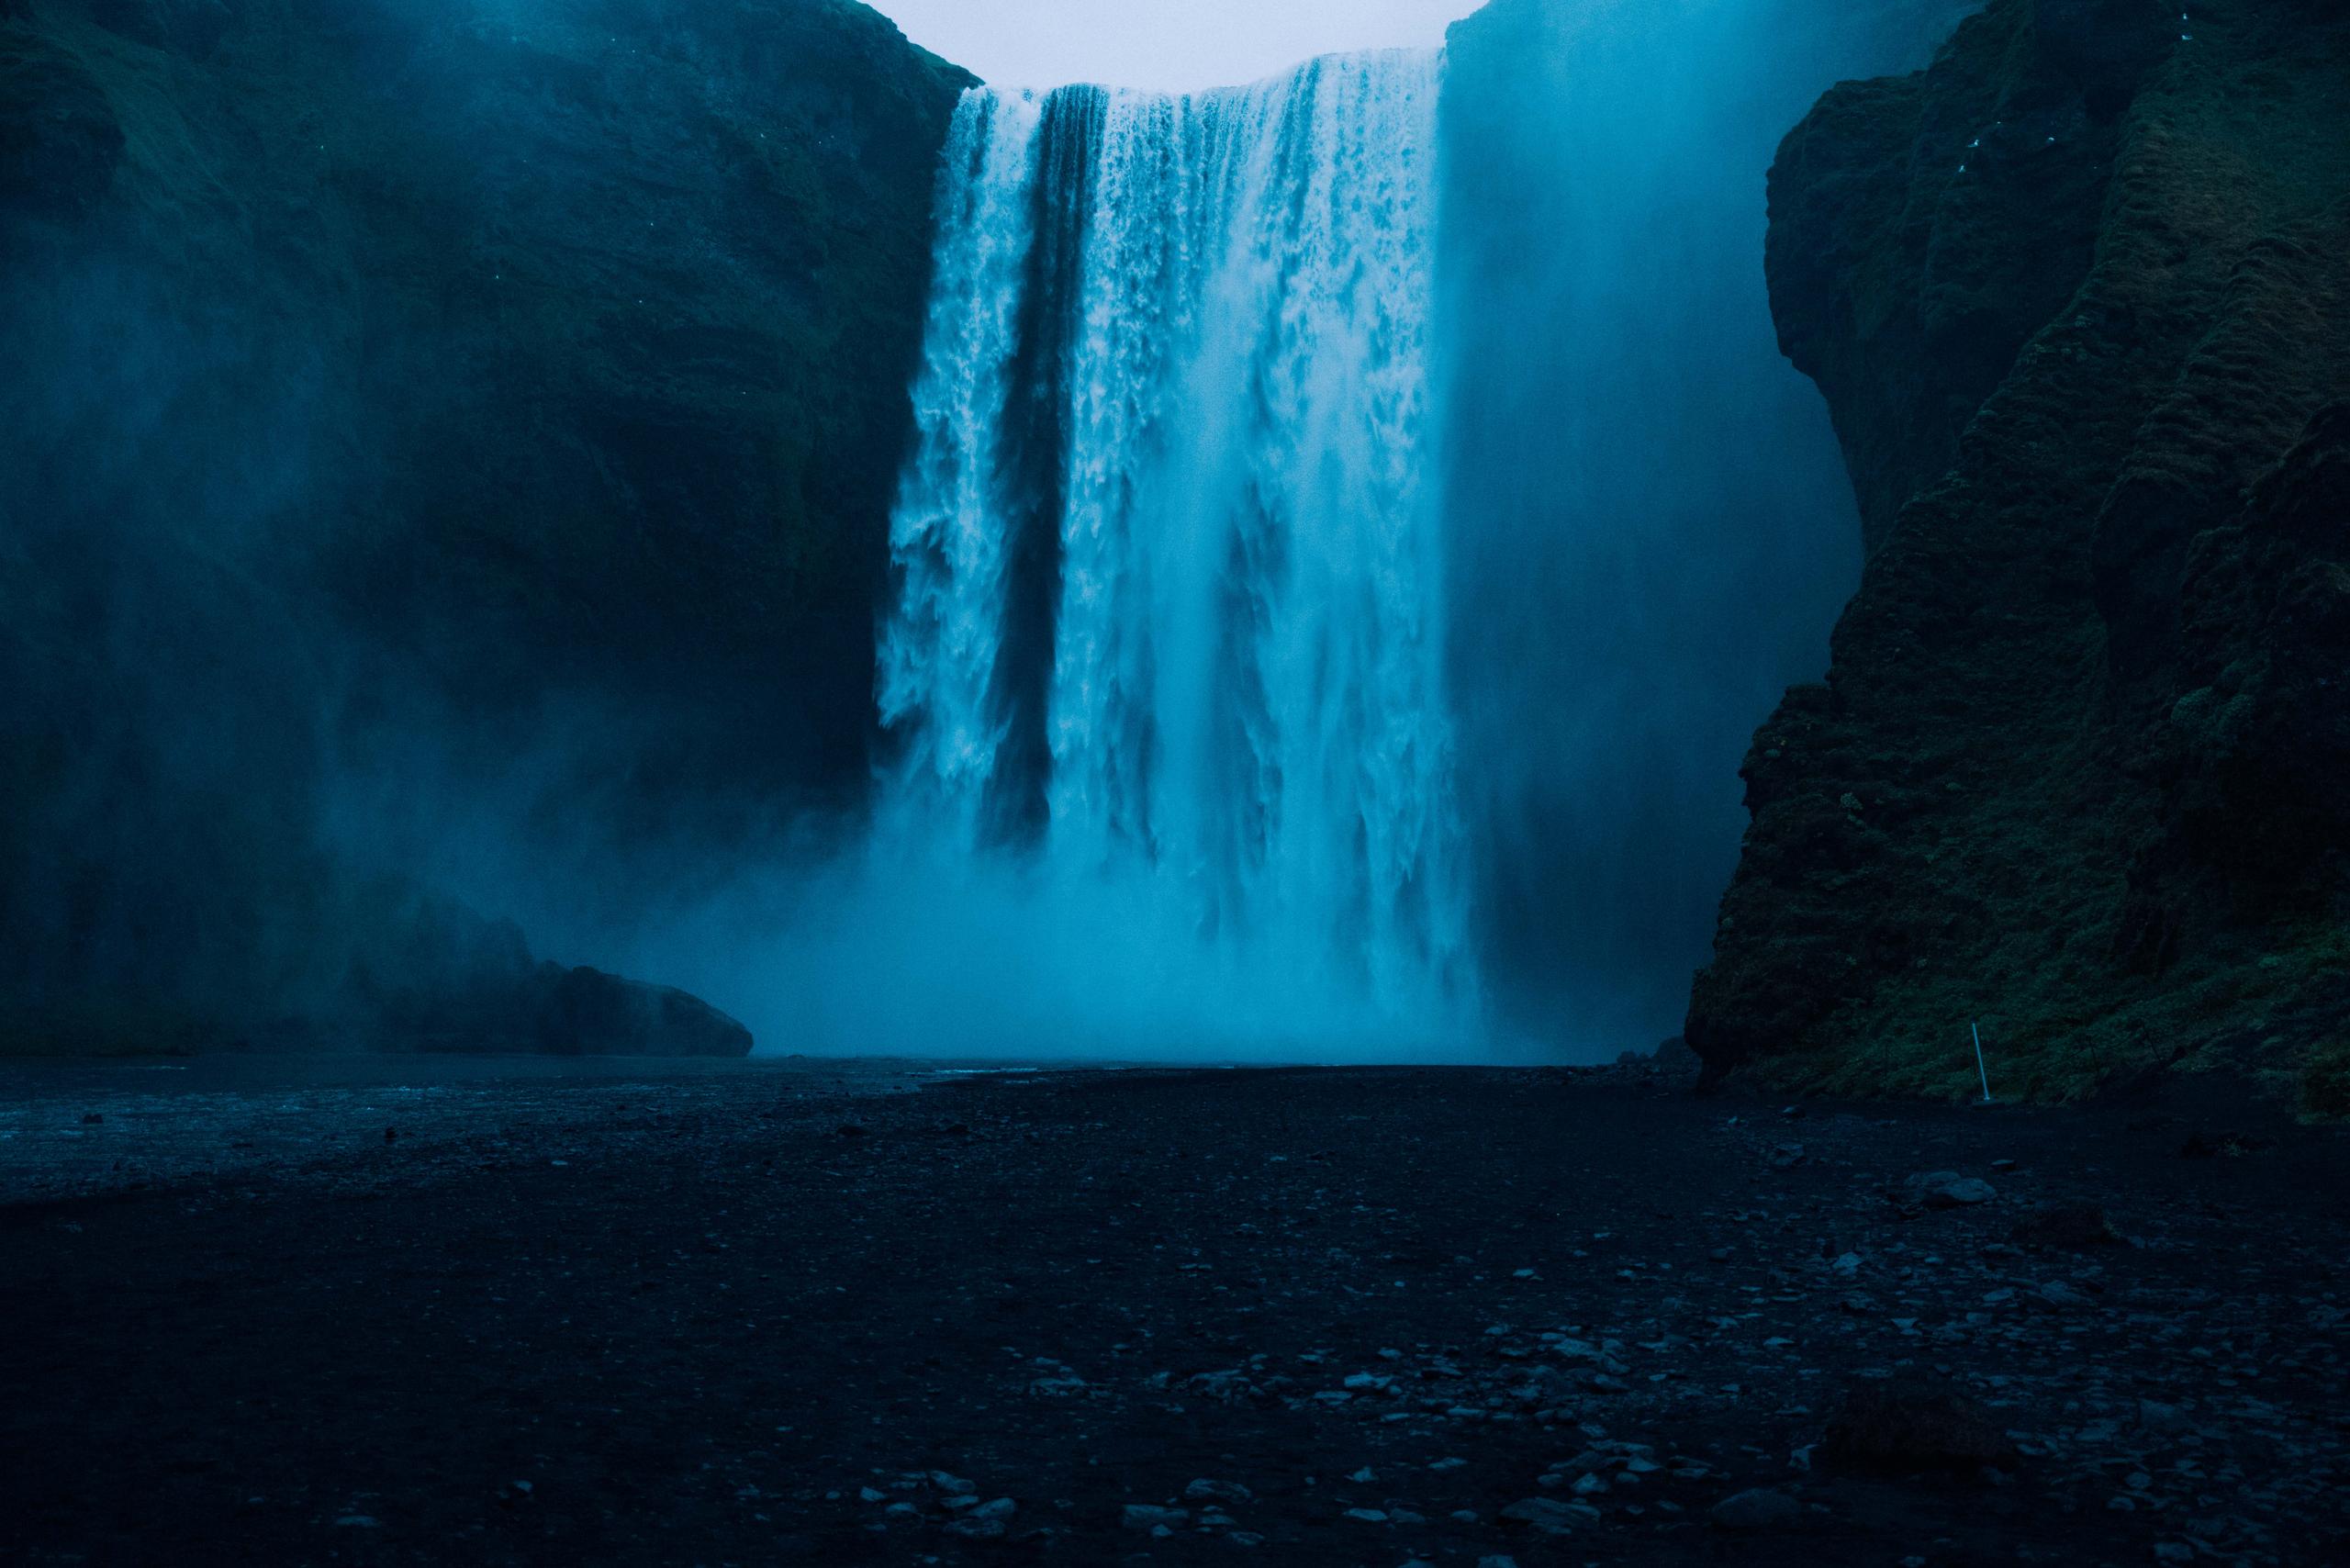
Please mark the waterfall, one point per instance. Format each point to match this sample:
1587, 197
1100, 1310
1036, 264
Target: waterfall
1167, 632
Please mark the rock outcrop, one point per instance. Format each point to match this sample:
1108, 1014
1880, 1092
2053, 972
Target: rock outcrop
461, 985
2077, 300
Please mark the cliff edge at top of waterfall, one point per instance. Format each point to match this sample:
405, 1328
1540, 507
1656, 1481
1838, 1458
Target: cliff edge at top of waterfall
2075, 298
442, 441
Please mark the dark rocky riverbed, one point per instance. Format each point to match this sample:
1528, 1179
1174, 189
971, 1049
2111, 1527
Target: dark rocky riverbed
801, 1313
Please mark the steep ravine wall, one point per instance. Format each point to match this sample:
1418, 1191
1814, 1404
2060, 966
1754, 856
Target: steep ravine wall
2079, 300
448, 449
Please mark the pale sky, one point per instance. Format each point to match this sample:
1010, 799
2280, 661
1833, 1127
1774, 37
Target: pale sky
1160, 43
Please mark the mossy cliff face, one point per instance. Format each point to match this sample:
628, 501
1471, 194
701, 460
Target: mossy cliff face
2077, 299
431, 425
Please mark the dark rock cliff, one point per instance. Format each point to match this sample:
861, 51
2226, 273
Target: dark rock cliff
429, 424
2078, 297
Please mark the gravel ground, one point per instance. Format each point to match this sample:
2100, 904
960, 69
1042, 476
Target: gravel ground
823, 1313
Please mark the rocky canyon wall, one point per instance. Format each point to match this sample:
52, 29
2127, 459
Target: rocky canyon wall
449, 447
2077, 297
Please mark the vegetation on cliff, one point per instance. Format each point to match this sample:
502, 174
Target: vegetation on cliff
2077, 298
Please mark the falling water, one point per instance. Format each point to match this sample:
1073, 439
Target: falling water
1167, 628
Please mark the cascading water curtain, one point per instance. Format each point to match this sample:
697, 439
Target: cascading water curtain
1169, 616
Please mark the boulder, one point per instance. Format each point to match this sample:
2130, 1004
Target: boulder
1947, 1190
1759, 1510
1546, 1517
586, 1012
1906, 1429
2067, 1228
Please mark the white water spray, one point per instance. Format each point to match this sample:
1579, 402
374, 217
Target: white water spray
1166, 657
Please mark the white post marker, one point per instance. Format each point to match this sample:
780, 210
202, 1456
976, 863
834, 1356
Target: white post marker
1979, 1068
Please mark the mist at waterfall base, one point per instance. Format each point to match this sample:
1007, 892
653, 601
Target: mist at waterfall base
1169, 765
1349, 546
1650, 531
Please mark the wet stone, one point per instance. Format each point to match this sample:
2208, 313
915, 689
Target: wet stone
1758, 1509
